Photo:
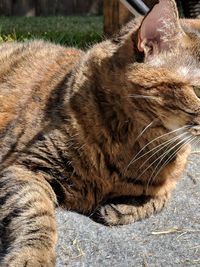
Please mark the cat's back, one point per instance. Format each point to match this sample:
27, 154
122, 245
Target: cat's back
23, 65
30, 73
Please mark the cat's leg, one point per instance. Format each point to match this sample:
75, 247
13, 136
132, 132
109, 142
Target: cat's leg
134, 210
27, 221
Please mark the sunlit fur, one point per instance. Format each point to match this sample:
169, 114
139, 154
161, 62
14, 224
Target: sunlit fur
81, 129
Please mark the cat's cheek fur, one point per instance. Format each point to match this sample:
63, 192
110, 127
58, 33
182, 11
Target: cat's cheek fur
174, 121
173, 171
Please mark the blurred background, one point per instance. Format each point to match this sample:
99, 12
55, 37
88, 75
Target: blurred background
70, 22
50, 7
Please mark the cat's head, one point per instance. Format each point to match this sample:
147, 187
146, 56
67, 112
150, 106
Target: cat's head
172, 48
168, 73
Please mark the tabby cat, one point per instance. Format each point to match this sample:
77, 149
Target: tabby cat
82, 129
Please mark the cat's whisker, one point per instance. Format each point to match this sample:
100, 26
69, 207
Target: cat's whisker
167, 152
168, 160
162, 145
143, 97
144, 130
195, 146
190, 140
198, 143
159, 158
155, 139
159, 137
81, 147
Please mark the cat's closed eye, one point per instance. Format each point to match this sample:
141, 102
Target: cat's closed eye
197, 90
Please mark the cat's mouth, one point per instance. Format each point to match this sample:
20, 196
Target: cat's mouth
195, 130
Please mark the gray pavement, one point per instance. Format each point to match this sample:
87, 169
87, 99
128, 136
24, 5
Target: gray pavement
171, 238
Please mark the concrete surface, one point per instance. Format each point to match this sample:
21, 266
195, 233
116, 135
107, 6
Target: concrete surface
171, 238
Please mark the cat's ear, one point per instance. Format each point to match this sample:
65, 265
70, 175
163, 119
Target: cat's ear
160, 29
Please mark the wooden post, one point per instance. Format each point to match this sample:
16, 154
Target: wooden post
115, 15
6, 7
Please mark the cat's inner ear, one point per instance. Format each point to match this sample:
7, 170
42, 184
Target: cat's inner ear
160, 29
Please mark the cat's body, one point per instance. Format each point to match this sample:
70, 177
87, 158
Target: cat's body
79, 129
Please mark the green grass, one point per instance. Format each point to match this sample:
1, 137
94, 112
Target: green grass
69, 31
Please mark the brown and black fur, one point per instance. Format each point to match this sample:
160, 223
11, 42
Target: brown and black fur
77, 130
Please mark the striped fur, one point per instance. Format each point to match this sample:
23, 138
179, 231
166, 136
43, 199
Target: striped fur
86, 130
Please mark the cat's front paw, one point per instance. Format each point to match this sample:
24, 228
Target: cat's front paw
116, 214
29, 258
130, 210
